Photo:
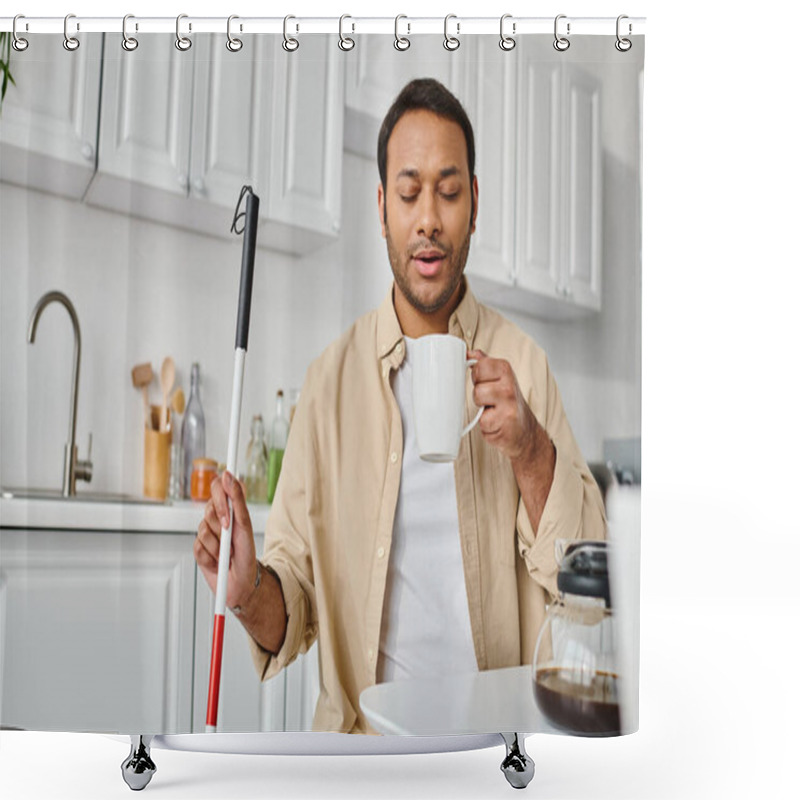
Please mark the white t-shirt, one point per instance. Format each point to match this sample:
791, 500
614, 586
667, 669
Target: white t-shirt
425, 629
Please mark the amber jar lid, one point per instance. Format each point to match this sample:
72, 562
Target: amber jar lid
202, 464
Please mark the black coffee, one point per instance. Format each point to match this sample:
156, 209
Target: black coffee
584, 709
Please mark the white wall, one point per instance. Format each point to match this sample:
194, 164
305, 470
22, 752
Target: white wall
143, 291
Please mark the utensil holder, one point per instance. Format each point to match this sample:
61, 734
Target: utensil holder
156, 459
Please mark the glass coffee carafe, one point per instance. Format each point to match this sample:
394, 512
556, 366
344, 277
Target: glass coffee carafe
575, 681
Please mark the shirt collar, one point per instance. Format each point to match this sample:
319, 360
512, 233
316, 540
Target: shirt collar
463, 323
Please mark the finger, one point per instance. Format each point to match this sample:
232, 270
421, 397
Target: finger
219, 499
490, 369
206, 547
211, 518
235, 491
490, 423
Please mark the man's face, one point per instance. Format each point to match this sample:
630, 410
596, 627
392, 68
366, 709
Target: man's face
425, 211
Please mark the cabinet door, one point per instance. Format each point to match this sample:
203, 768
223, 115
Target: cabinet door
582, 230
145, 127
486, 86
48, 135
245, 703
304, 169
232, 102
97, 631
538, 152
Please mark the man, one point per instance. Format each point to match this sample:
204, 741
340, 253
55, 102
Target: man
398, 566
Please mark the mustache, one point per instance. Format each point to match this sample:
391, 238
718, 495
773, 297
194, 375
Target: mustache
428, 244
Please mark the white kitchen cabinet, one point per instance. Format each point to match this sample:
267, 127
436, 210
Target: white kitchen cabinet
246, 704
179, 149
486, 86
558, 187
145, 127
97, 631
48, 127
582, 216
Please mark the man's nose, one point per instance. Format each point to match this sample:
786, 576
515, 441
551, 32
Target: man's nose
429, 221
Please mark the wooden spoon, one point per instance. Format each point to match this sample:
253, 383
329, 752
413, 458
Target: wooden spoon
142, 374
178, 401
167, 382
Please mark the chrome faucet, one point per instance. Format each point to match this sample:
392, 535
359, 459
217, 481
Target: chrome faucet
74, 469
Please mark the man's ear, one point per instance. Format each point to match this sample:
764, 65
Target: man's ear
382, 209
474, 203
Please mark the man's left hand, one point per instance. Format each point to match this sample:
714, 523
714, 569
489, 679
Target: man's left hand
507, 422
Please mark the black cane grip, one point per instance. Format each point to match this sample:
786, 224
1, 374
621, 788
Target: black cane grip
246, 278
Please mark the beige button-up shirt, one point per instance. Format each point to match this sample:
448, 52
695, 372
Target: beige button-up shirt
329, 531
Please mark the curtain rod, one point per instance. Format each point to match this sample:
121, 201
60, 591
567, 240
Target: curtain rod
631, 26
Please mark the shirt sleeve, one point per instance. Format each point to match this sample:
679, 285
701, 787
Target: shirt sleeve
288, 553
574, 506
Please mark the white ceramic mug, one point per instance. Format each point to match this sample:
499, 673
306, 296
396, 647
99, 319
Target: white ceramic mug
439, 371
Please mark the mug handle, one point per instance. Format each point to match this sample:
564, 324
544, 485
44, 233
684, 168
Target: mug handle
471, 362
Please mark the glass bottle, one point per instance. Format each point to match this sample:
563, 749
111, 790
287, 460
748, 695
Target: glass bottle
256, 463
193, 432
278, 434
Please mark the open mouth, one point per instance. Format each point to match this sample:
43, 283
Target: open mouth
428, 262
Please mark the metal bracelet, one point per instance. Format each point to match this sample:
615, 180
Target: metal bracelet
238, 609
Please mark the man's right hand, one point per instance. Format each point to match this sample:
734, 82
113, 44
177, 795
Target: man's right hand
243, 567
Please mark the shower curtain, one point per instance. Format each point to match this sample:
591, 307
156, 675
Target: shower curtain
120, 170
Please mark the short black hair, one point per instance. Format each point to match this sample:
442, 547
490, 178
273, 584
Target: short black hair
429, 95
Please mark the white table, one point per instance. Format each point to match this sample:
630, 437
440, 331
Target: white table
498, 700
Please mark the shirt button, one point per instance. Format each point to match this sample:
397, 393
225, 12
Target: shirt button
394, 458
381, 552
469, 333
371, 654
398, 348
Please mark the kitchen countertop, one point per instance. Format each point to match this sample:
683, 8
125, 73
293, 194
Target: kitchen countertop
182, 516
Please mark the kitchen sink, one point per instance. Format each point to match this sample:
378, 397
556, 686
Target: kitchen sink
9, 493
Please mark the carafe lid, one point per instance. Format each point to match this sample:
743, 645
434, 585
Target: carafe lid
584, 570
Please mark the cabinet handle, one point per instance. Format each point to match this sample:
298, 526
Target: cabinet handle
199, 185
183, 181
87, 151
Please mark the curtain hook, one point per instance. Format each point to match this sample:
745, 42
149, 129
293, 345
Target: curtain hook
507, 42
183, 43
70, 42
129, 43
623, 45
290, 44
18, 43
451, 42
345, 42
233, 44
561, 43
400, 42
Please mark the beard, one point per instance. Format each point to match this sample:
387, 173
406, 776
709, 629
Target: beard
400, 263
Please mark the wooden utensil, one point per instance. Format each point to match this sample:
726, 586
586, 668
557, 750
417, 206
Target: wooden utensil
142, 375
167, 382
178, 401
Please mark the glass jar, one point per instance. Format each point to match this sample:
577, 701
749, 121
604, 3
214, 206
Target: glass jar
193, 431
256, 463
204, 470
575, 680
